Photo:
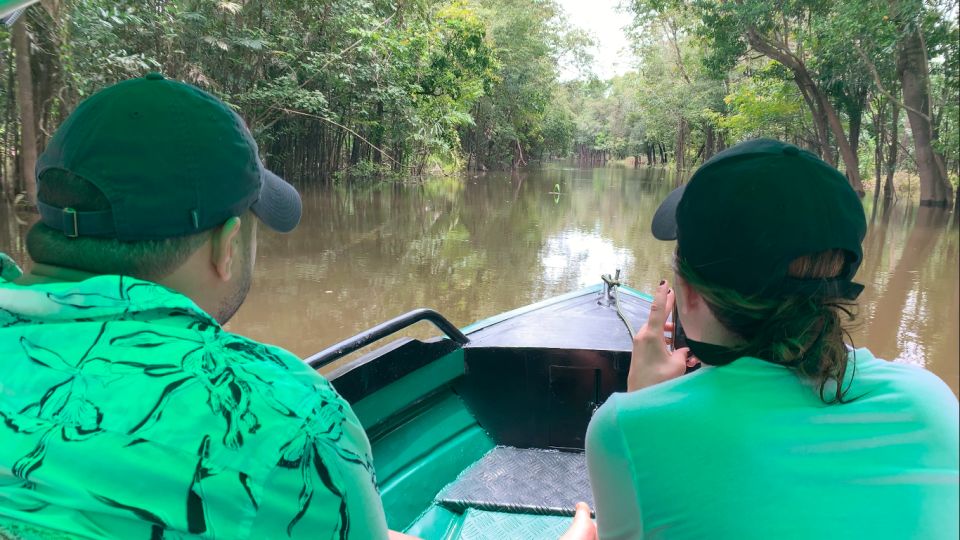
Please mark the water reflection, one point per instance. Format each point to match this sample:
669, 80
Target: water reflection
578, 257
910, 306
476, 246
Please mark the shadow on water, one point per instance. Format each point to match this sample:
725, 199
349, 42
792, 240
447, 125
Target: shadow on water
478, 245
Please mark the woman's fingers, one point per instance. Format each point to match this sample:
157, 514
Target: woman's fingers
583, 527
651, 361
683, 356
659, 309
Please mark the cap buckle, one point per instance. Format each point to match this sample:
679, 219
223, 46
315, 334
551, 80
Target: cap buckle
68, 222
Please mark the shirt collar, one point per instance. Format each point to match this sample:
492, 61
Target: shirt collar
104, 297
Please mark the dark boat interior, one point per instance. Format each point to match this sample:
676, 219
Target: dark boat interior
480, 433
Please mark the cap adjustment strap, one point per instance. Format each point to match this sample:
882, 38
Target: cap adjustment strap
73, 223
70, 227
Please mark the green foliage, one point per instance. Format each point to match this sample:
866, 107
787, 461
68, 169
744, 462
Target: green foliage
333, 85
324, 86
762, 105
559, 130
514, 121
369, 87
758, 51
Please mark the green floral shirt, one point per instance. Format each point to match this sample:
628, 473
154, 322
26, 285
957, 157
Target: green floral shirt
128, 412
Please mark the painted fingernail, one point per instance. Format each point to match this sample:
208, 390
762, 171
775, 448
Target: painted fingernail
662, 281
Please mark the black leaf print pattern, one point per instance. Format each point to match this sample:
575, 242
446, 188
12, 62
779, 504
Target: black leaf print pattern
163, 346
9, 318
256, 350
63, 412
324, 473
29, 506
84, 301
203, 363
323, 428
196, 512
245, 482
157, 524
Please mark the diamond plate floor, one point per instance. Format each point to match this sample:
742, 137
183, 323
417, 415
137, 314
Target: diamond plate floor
483, 525
524, 481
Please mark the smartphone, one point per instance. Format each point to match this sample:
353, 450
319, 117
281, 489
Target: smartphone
679, 337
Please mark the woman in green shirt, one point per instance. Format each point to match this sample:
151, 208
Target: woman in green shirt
784, 432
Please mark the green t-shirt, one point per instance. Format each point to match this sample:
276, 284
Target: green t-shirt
127, 412
749, 451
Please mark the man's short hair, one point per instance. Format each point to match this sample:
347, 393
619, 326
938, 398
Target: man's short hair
149, 260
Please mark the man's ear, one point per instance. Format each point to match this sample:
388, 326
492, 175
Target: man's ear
225, 244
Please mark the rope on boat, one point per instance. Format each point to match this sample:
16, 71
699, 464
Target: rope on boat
613, 289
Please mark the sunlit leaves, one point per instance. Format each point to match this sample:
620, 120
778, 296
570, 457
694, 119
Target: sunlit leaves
229, 7
762, 106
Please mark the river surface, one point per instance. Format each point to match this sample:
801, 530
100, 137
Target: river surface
475, 246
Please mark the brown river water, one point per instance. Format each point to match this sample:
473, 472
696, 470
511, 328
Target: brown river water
475, 246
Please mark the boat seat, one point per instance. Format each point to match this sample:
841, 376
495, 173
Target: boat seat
520, 481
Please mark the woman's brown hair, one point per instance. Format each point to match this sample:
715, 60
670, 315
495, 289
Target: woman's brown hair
804, 332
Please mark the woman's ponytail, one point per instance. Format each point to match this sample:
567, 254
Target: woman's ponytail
805, 333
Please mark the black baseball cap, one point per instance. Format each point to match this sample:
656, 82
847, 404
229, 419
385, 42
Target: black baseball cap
171, 159
752, 209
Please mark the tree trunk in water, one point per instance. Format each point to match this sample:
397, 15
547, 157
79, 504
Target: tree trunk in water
892, 154
855, 116
28, 125
935, 190
355, 151
680, 149
710, 144
821, 107
377, 138
847, 153
880, 129
819, 124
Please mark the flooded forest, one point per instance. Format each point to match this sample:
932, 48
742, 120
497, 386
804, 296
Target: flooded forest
466, 155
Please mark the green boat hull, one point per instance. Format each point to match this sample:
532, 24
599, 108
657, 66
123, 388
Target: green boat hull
485, 439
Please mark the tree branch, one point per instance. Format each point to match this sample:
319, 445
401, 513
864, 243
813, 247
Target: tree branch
672, 37
339, 125
879, 83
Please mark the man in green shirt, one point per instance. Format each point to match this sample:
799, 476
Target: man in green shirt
126, 410
783, 432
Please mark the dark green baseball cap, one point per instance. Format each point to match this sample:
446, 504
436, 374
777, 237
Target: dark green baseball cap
752, 209
171, 159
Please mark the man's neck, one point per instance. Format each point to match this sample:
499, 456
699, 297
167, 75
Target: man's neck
48, 273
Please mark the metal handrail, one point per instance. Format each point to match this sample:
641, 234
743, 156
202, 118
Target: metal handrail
383, 330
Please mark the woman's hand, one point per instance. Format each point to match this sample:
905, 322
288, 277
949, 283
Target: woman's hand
652, 361
583, 527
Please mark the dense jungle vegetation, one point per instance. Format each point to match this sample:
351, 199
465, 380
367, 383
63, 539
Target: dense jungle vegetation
342, 89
